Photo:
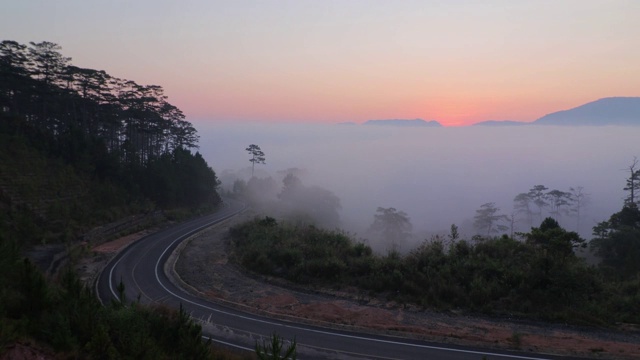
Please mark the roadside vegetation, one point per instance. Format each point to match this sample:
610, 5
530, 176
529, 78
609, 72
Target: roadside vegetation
536, 275
66, 319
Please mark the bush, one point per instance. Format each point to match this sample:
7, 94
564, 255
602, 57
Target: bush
499, 275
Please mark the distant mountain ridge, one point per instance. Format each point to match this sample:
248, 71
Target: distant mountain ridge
605, 111
404, 123
601, 112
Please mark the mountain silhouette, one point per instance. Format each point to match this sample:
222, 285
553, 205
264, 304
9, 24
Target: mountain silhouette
606, 111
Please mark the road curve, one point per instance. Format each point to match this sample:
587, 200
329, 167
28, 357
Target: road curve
140, 267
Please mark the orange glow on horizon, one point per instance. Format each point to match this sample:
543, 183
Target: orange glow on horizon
260, 106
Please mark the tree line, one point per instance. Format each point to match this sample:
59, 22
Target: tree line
41, 85
111, 129
531, 207
617, 240
539, 276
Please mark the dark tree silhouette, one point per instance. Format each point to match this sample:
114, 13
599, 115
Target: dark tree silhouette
487, 219
632, 183
112, 128
559, 201
617, 240
579, 199
522, 205
39, 85
257, 156
539, 198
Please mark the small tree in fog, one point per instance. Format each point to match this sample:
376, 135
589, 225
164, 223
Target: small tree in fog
579, 199
261, 190
291, 185
488, 220
239, 187
319, 205
393, 225
539, 198
522, 206
632, 183
512, 220
453, 233
559, 201
257, 156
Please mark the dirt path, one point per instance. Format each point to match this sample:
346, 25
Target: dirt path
204, 266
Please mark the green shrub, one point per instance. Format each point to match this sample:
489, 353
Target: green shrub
496, 275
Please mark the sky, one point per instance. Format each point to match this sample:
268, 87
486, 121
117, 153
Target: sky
303, 61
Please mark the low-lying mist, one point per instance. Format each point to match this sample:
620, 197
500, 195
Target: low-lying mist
438, 176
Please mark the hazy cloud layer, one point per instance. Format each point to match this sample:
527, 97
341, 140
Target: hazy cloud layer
438, 176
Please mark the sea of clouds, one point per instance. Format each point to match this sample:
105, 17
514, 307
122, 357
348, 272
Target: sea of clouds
438, 176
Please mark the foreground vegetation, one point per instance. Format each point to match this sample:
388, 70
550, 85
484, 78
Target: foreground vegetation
538, 276
66, 318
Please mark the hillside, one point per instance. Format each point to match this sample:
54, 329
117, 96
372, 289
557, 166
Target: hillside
84, 157
606, 111
53, 200
81, 147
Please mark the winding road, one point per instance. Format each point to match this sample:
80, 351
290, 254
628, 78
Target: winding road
140, 267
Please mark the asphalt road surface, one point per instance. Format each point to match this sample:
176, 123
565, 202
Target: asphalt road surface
140, 267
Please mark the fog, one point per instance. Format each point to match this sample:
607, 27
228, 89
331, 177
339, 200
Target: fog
438, 176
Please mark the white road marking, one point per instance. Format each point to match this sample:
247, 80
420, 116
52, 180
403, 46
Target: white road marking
294, 326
